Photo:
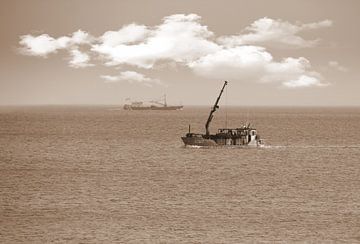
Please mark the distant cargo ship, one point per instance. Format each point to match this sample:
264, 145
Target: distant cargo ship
152, 105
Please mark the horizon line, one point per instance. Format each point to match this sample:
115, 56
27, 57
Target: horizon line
185, 105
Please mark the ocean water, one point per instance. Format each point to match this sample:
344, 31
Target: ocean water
104, 175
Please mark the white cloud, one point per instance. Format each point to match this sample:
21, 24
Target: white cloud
287, 69
336, 65
274, 33
244, 62
251, 63
79, 59
317, 25
128, 34
43, 45
181, 39
131, 77
303, 81
81, 37
110, 78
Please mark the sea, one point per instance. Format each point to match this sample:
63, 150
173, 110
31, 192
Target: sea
99, 174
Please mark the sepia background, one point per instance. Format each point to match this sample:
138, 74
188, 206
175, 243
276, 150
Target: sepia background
93, 172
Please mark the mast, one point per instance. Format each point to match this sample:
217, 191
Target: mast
213, 109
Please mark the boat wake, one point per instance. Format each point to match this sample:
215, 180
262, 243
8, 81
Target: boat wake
224, 146
310, 146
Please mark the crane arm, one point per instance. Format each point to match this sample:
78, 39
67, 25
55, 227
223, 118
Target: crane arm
213, 109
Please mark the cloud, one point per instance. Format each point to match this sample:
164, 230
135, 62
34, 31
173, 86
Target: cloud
336, 65
317, 25
183, 40
251, 63
274, 33
180, 38
79, 59
244, 62
303, 81
110, 78
126, 35
43, 45
131, 77
81, 37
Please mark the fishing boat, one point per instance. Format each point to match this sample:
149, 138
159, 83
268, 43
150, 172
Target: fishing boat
241, 136
152, 105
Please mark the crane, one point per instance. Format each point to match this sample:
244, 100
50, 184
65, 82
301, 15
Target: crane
213, 109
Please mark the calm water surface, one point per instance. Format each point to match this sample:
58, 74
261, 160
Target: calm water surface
101, 175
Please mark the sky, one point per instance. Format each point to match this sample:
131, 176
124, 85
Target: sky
273, 53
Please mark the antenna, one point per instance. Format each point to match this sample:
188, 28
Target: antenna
226, 107
247, 114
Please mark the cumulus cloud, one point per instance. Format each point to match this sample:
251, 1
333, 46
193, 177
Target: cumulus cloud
274, 33
180, 38
317, 25
183, 40
81, 37
250, 63
126, 35
110, 78
303, 81
337, 66
131, 77
79, 59
243, 62
44, 44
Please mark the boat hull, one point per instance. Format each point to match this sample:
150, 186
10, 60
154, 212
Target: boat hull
212, 143
198, 141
